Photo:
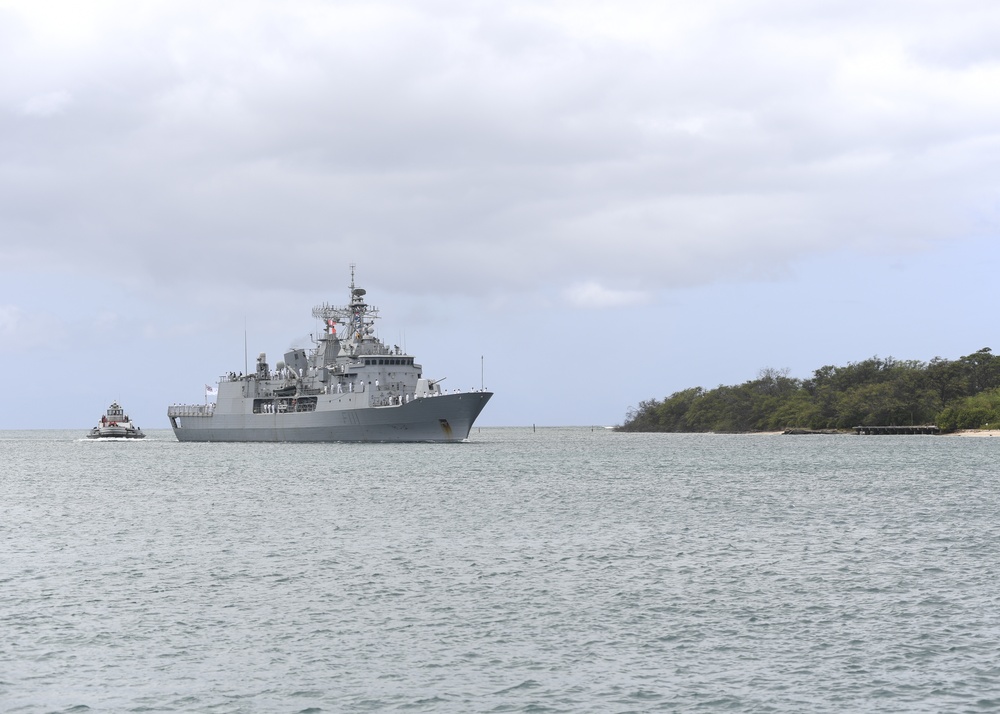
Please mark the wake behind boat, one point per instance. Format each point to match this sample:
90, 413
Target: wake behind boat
115, 424
349, 387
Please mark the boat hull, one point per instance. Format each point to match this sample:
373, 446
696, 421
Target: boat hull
115, 432
446, 418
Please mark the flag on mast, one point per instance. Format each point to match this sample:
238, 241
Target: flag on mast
211, 391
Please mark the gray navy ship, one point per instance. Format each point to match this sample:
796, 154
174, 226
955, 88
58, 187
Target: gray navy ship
349, 387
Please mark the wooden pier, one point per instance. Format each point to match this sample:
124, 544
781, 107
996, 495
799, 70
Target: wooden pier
880, 430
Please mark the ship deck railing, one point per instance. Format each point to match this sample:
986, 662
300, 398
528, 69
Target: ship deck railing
183, 410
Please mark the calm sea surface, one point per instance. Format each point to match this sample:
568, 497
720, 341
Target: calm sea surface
558, 570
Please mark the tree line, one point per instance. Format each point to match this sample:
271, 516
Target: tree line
953, 394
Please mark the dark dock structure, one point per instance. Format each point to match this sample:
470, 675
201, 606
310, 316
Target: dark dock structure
880, 430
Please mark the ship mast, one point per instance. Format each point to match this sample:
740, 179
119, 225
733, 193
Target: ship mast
358, 317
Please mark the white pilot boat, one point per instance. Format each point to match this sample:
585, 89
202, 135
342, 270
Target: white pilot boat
115, 424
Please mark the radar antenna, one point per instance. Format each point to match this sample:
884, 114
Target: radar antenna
358, 315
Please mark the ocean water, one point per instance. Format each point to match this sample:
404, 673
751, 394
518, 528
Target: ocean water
564, 570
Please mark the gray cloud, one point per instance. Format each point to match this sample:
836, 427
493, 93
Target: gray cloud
603, 153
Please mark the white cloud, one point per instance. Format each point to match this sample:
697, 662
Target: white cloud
9, 317
595, 295
46, 105
20, 331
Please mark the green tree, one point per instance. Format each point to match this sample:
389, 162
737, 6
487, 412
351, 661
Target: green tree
643, 417
948, 379
875, 391
973, 412
982, 370
672, 414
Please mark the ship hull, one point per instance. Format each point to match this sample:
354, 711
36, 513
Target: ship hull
446, 418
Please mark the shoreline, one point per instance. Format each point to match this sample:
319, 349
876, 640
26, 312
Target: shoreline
965, 433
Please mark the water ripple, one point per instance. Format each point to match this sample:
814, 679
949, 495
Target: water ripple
559, 570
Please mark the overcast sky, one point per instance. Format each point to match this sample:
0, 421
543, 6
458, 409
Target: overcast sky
579, 204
